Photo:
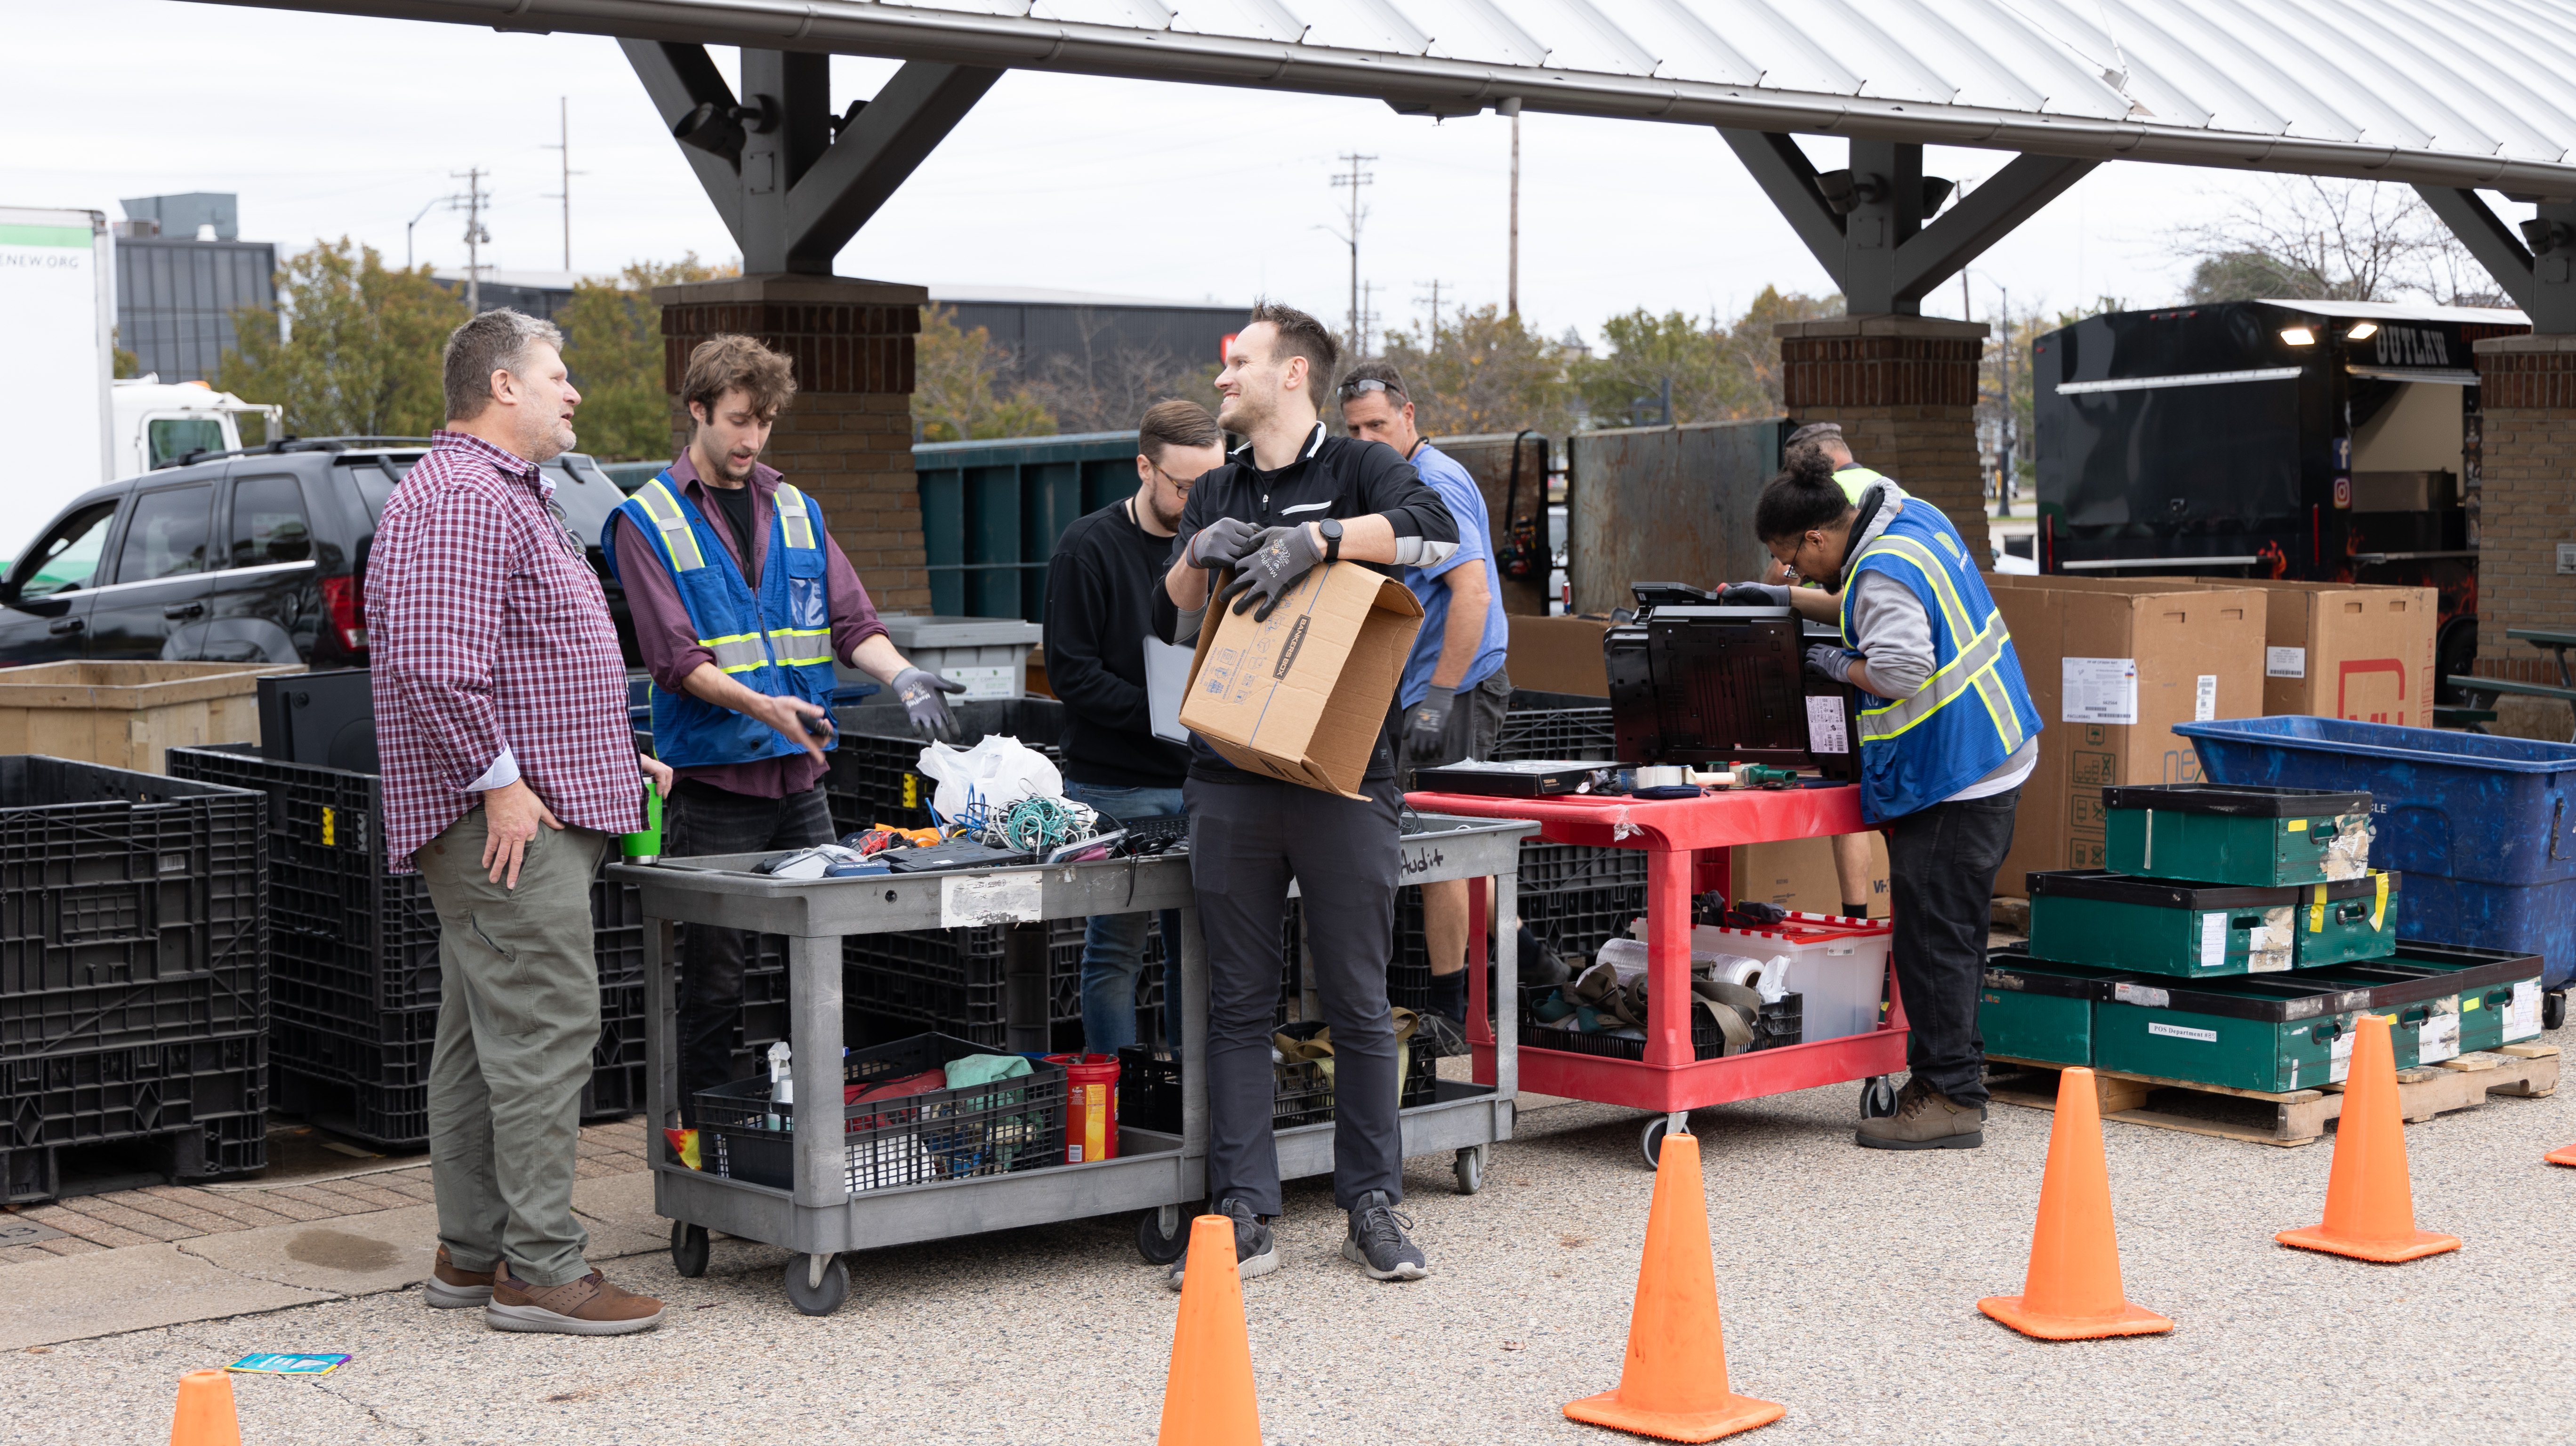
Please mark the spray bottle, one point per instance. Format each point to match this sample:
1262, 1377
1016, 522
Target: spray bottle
782, 1083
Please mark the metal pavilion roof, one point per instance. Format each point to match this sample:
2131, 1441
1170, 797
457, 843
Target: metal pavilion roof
2464, 93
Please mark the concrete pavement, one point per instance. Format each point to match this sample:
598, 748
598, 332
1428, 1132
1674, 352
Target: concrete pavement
1848, 1279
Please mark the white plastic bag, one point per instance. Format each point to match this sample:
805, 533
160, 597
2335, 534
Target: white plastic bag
996, 772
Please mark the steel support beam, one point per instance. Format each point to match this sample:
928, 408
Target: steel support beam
2542, 284
892, 136
680, 78
1877, 247
1784, 174
1981, 218
790, 193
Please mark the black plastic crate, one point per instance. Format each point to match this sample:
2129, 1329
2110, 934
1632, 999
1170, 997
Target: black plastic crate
1571, 920
112, 1094
206, 1149
397, 1119
873, 779
959, 980
1004, 1127
1547, 867
132, 908
1538, 726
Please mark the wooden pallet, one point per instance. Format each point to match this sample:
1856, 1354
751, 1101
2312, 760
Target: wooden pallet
2298, 1116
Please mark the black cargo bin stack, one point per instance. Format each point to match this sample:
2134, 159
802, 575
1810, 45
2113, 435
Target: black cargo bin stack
354, 970
133, 973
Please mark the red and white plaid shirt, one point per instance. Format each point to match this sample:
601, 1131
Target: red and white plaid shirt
489, 636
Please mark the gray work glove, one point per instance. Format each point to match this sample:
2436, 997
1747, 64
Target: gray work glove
1834, 662
1427, 722
1221, 542
1753, 595
1283, 555
920, 690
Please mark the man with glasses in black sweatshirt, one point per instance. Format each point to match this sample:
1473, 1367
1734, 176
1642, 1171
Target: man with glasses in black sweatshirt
1099, 602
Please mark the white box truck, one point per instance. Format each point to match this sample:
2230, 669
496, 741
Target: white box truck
58, 290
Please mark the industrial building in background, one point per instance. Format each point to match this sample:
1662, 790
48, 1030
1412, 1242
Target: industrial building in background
181, 271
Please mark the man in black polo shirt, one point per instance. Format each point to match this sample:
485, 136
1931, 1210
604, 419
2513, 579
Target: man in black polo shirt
1291, 498
1101, 584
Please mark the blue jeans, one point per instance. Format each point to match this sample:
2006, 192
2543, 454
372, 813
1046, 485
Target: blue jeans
1113, 946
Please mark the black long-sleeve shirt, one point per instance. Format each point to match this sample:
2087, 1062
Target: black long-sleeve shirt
1341, 477
1101, 586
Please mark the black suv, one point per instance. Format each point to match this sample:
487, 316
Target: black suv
253, 556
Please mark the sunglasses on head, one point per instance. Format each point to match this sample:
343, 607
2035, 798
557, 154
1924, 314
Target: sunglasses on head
1366, 385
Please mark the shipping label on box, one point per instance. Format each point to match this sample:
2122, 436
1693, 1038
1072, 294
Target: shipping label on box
1303, 696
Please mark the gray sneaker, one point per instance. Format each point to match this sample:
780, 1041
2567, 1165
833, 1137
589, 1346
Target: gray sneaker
1255, 1253
1377, 1244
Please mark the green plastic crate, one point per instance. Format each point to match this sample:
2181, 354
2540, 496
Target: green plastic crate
2248, 835
2270, 1032
2203, 931
2038, 1010
2449, 1000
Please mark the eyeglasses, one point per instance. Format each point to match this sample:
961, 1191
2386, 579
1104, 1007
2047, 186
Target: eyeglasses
1178, 485
1365, 385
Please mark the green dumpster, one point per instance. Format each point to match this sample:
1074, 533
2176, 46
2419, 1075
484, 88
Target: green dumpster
2213, 833
2160, 926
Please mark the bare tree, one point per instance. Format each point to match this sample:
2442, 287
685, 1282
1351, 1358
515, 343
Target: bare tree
1107, 388
2311, 238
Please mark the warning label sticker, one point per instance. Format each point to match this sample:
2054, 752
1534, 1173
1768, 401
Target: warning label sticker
1825, 732
2100, 690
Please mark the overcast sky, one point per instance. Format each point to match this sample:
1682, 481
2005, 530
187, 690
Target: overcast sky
328, 126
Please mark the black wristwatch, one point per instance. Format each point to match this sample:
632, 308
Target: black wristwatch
1331, 527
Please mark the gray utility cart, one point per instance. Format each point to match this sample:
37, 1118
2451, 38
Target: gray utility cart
1157, 1175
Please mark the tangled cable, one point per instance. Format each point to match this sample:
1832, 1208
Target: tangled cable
1031, 825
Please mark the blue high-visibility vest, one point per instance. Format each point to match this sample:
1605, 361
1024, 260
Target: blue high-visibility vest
1974, 712
777, 642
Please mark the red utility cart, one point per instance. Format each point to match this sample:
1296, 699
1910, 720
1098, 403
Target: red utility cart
1686, 841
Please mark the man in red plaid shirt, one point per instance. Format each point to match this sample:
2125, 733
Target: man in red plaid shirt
508, 763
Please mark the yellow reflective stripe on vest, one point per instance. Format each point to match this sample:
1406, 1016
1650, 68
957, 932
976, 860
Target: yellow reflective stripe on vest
1955, 611
794, 518
679, 542
1973, 668
741, 653
798, 647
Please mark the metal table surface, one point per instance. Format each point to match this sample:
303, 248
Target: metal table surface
1152, 1172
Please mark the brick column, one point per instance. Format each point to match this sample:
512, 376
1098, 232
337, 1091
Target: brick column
847, 437
2527, 398
1905, 390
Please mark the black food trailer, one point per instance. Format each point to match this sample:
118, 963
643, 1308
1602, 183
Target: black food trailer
2327, 441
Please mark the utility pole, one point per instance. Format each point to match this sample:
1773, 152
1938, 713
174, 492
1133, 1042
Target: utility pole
563, 133
1368, 315
476, 238
1354, 178
1434, 284
1512, 281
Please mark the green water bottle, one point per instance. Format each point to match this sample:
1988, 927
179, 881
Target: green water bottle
645, 846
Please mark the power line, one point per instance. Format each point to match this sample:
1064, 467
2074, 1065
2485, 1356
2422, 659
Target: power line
476, 237
1434, 299
1354, 178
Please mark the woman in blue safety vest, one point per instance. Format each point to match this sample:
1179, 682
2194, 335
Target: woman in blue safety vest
1947, 736
777, 641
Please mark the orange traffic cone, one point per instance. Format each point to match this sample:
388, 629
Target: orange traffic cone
2562, 1157
2370, 1204
1208, 1398
2072, 1290
1673, 1384
205, 1415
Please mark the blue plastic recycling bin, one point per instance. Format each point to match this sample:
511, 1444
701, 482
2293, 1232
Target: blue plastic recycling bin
2484, 828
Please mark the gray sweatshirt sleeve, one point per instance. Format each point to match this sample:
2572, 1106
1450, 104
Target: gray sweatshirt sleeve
1893, 632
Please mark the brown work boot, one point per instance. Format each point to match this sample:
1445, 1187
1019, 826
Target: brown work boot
589, 1306
449, 1288
1925, 1119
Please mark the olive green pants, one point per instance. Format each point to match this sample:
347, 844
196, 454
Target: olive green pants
518, 1017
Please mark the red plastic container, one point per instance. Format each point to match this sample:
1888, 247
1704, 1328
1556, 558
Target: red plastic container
1090, 1106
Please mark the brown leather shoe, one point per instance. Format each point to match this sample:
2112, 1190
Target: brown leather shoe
449, 1288
1925, 1119
589, 1306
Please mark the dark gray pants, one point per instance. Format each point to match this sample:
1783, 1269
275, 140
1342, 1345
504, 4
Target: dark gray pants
705, 819
1941, 864
1247, 840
